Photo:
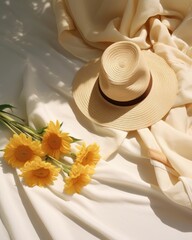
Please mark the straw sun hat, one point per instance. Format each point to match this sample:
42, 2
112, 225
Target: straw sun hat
126, 89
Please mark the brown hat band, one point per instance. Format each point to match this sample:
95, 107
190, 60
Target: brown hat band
130, 102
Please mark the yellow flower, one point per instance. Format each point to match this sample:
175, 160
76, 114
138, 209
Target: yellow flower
55, 143
78, 178
21, 149
39, 172
88, 155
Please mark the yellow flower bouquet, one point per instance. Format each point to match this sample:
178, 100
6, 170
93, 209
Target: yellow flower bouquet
40, 155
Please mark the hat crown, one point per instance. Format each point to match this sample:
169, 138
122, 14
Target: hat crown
124, 75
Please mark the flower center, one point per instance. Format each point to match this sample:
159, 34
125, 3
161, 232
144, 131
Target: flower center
87, 159
41, 172
23, 153
54, 141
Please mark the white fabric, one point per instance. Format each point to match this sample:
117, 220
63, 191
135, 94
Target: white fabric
123, 200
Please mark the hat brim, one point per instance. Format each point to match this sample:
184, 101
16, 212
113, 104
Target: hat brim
153, 108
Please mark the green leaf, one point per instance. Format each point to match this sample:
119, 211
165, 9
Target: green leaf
75, 139
41, 130
5, 106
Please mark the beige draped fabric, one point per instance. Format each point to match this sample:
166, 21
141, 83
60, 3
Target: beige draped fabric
86, 28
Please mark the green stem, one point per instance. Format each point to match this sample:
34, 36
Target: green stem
28, 130
73, 156
17, 127
8, 125
4, 116
13, 115
66, 168
8, 122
